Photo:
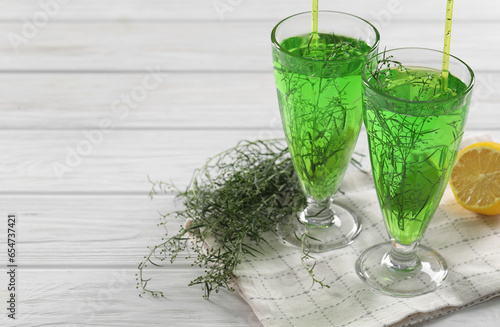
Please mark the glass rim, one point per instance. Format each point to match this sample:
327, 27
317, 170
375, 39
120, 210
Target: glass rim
277, 45
379, 91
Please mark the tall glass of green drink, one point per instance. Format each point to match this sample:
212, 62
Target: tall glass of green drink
318, 81
415, 117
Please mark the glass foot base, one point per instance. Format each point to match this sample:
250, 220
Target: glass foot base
375, 269
321, 238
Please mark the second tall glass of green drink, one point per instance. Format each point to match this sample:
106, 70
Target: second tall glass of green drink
318, 81
415, 118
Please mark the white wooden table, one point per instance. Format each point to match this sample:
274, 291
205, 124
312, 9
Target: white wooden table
95, 96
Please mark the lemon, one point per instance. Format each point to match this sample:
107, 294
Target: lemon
475, 179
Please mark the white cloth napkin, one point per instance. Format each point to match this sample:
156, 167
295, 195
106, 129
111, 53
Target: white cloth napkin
279, 290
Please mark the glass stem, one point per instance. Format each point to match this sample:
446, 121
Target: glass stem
318, 213
403, 257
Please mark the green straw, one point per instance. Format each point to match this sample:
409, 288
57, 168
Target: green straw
314, 23
447, 43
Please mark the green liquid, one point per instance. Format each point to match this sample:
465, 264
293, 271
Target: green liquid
413, 145
321, 107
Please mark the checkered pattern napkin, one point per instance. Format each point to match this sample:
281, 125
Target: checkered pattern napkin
279, 289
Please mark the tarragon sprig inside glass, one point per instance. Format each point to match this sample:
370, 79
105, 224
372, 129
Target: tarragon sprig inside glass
415, 118
318, 81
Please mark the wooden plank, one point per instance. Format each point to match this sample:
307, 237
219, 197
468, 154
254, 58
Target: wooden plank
82, 101
79, 10
114, 161
108, 297
88, 232
77, 257
48, 162
205, 46
197, 100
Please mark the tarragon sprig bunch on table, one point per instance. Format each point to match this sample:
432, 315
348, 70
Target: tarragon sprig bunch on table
229, 205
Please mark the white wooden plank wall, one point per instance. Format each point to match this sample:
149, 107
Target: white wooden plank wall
119, 90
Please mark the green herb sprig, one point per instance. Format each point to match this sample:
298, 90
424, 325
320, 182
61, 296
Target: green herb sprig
230, 203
